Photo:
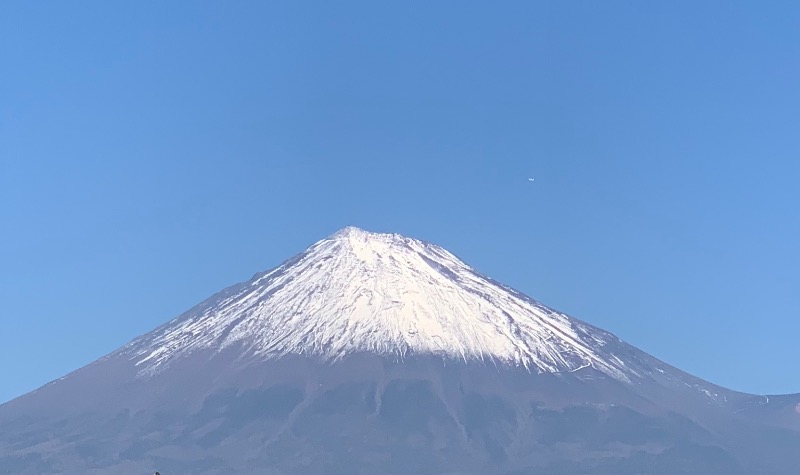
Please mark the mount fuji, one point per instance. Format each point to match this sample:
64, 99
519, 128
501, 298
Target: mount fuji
376, 353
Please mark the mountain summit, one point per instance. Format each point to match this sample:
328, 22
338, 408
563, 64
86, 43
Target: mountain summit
377, 353
358, 291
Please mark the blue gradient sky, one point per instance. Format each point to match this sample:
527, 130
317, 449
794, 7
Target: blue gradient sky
152, 153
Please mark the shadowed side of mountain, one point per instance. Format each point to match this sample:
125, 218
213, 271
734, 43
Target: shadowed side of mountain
367, 414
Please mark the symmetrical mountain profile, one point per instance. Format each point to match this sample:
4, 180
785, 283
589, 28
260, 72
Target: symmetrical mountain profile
379, 354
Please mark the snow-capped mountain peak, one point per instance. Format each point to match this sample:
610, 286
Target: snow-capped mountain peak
358, 291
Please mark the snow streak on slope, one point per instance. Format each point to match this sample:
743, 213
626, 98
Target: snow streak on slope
382, 293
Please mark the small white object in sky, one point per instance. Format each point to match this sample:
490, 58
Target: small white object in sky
530, 179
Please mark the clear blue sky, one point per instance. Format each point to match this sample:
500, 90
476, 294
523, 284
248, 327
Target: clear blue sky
152, 153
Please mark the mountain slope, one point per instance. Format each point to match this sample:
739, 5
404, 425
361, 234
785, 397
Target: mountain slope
376, 353
384, 294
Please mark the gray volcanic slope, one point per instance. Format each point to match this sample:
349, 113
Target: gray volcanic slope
375, 353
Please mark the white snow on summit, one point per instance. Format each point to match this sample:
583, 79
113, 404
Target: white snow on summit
358, 291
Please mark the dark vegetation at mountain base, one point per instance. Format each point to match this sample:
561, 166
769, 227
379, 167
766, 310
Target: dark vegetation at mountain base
421, 423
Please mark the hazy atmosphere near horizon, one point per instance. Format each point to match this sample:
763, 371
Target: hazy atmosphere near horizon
152, 154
